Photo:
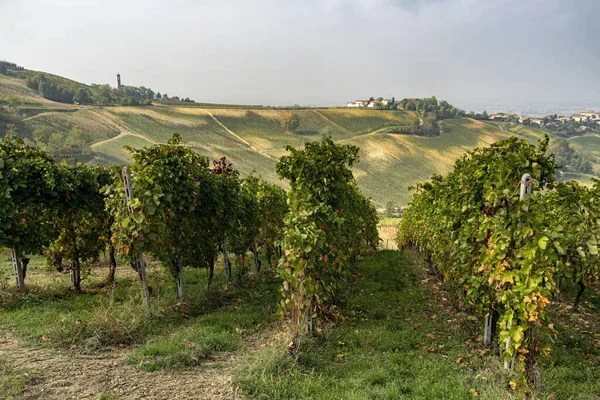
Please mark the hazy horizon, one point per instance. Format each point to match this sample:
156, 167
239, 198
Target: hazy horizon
319, 52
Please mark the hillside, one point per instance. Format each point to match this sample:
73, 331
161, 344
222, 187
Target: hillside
253, 139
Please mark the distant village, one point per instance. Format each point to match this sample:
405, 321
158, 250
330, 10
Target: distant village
584, 116
587, 115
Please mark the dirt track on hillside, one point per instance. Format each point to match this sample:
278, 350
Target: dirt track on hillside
71, 375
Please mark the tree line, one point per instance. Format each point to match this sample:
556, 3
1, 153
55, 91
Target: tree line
6, 66
571, 127
55, 89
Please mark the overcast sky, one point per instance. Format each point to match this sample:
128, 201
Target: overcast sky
316, 52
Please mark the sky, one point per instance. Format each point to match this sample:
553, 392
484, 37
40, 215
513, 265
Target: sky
317, 52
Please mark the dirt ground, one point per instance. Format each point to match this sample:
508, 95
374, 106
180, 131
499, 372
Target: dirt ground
69, 375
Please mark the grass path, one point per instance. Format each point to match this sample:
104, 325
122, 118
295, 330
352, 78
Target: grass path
232, 133
260, 151
68, 375
346, 130
398, 335
401, 336
123, 130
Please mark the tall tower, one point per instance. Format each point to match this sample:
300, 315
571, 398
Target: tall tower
118, 81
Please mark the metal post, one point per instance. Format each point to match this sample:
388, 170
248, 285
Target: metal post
526, 181
524, 193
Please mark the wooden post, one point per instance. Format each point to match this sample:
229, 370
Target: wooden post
179, 279
18, 270
226, 262
310, 322
72, 274
139, 262
487, 337
257, 262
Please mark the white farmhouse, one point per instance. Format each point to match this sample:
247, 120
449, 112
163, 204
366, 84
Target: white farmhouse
537, 120
358, 103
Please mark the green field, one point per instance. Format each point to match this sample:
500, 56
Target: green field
253, 139
398, 335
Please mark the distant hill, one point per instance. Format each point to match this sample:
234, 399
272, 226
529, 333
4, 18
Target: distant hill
253, 138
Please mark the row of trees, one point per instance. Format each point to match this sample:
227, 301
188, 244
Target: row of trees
441, 109
73, 145
143, 93
504, 251
566, 156
58, 90
571, 127
6, 66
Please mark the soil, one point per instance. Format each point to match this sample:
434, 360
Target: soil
62, 374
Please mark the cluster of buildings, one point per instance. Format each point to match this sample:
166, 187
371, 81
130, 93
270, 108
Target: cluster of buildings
593, 116
373, 103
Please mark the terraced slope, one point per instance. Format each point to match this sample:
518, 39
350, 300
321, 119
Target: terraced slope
253, 139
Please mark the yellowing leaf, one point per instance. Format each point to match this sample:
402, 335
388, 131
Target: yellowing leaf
533, 316
592, 247
543, 242
517, 335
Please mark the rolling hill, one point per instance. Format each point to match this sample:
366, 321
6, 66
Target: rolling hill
253, 138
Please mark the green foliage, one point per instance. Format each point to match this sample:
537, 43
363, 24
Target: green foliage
6, 66
13, 382
329, 224
30, 189
390, 209
72, 145
499, 253
248, 221
271, 209
570, 128
83, 96
396, 341
574, 210
173, 191
566, 156
103, 94
50, 88
136, 92
81, 221
290, 123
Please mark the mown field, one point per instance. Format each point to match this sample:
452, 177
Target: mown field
253, 139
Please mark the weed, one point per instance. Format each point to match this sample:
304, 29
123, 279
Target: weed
13, 382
